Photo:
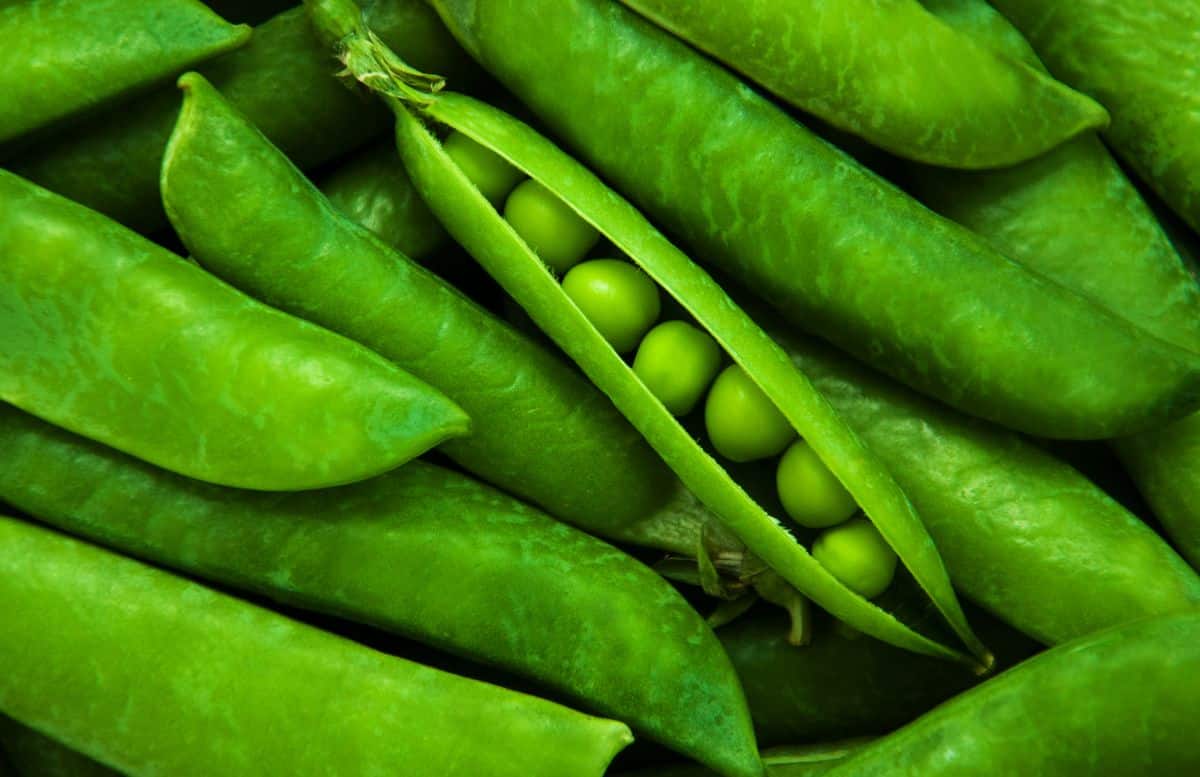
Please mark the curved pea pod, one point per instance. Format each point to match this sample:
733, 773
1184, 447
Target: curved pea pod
1144, 67
160, 684
842, 684
424, 552
36, 755
795, 761
475, 224
838, 251
891, 73
1119, 702
48, 71
281, 79
111, 336
539, 430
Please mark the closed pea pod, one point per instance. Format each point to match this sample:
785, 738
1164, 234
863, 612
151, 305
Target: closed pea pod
147, 673
113, 337
424, 552
806, 761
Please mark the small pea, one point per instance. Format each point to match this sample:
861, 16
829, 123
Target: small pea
555, 232
490, 172
677, 361
810, 493
619, 299
857, 554
742, 422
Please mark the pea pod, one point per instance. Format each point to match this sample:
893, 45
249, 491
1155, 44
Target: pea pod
159, 684
834, 248
494, 580
37, 755
539, 430
1140, 688
472, 220
47, 73
891, 73
281, 79
805, 761
119, 340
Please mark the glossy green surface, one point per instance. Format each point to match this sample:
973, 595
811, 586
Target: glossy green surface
538, 429
491, 175
423, 552
1120, 702
147, 672
677, 362
618, 299
1142, 62
48, 71
281, 79
836, 249
556, 233
854, 553
36, 755
742, 422
891, 73
117, 339
810, 493
372, 189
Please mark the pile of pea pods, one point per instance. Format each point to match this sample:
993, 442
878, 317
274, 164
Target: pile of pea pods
559, 388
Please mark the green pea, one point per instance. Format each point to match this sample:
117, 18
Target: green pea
619, 299
555, 232
677, 361
493, 176
856, 554
742, 423
810, 493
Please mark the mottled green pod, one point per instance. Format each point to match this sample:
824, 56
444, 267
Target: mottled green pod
424, 552
153, 674
890, 73
49, 71
282, 79
1122, 701
33, 754
836, 249
115, 338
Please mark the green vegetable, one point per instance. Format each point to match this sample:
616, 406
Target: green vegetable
618, 299
494, 177
281, 79
1118, 702
806, 761
493, 580
48, 73
547, 225
119, 340
855, 554
37, 755
150, 673
889, 72
810, 493
742, 422
677, 362
837, 250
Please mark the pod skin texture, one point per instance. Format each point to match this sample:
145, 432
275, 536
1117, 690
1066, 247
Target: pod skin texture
117, 339
282, 79
890, 73
540, 431
1141, 61
155, 675
48, 71
1122, 701
834, 248
421, 551
37, 755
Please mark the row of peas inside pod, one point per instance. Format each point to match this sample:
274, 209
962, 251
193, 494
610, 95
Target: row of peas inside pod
679, 363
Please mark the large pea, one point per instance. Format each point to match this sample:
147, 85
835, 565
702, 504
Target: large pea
810, 493
743, 424
555, 232
677, 361
620, 300
492, 175
857, 554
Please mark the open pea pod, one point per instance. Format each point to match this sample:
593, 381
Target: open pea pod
474, 222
